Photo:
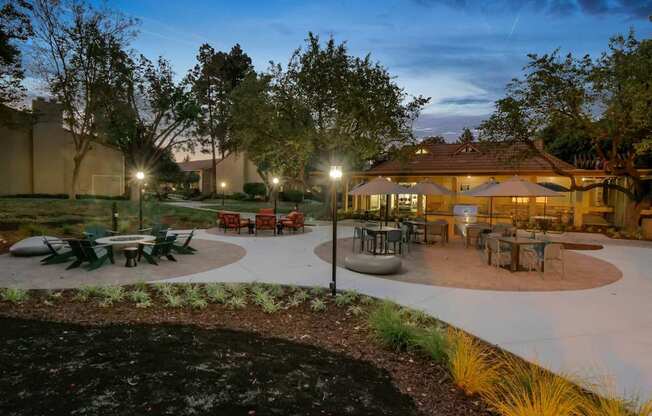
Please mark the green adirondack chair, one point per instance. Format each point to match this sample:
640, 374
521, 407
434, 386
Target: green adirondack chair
159, 248
96, 254
95, 231
157, 230
77, 252
184, 248
57, 256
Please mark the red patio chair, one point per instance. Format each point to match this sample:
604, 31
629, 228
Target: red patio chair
294, 221
232, 220
266, 211
265, 222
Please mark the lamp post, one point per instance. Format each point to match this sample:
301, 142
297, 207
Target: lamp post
223, 186
140, 176
274, 189
335, 175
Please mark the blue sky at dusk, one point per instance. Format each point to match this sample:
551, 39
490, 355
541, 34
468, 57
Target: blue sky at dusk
460, 53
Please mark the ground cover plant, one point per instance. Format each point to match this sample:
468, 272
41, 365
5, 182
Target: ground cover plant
425, 366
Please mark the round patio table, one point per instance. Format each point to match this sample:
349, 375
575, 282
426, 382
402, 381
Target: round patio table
126, 240
382, 232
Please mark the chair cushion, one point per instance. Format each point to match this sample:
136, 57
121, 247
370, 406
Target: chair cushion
32, 246
369, 264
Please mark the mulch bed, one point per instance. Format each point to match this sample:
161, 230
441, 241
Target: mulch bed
425, 382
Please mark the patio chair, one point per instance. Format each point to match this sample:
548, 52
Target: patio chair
57, 255
294, 221
405, 236
96, 254
184, 248
499, 257
78, 253
157, 230
473, 232
506, 230
395, 237
232, 221
370, 237
265, 222
438, 230
93, 232
154, 251
358, 234
541, 257
266, 211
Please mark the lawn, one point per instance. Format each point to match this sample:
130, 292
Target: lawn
312, 209
23, 217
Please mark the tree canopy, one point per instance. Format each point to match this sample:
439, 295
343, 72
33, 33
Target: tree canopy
15, 29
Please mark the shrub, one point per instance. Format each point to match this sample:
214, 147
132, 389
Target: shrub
366, 300
342, 300
391, 329
173, 300
317, 291
471, 366
432, 342
237, 302
269, 305
216, 293
254, 189
197, 303
236, 289
110, 295
84, 293
32, 230
14, 295
275, 290
292, 195
527, 389
355, 310
164, 289
418, 316
607, 403
238, 196
141, 285
301, 295
141, 298
317, 305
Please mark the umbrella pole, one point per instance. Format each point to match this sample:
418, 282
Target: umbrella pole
491, 210
386, 209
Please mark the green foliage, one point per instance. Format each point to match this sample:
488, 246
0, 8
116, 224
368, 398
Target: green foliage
141, 298
466, 136
15, 29
32, 230
355, 310
216, 293
292, 195
237, 302
390, 327
432, 342
317, 290
237, 289
317, 305
270, 305
343, 300
173, 300
85, 292
254, 189
366, 300
14, 295
111, 294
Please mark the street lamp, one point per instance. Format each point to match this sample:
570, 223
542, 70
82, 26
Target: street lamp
275, 182
335, 175
223, 186
140, 176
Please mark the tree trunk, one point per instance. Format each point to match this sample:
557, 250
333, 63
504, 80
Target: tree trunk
77, 161
214, 190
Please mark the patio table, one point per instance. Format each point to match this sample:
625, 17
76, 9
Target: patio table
382, 232
515, 244
129, 240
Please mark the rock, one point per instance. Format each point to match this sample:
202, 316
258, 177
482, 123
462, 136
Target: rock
32, 246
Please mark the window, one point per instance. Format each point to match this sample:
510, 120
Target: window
421, 151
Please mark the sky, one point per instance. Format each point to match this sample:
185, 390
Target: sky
461, 53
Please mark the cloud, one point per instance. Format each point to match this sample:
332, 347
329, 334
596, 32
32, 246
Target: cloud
465, 100
634, 9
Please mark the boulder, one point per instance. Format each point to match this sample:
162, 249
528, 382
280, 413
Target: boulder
370, 264
32, 246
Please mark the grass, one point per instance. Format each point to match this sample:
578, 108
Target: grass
62, 217
311, 209
526, 389
14, 295
472, 368
431, 342
390, 327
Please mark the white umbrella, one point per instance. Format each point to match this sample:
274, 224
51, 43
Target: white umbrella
380, 186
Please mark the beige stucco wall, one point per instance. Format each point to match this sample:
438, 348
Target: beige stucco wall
40, 159
15, 161
235, 170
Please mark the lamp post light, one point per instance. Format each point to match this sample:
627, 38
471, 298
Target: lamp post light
223, 186
335, 175
140, 176
275, 181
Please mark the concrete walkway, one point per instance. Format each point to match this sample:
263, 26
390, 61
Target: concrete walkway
602, 331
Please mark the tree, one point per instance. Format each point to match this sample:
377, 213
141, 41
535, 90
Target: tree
433, 140
15, 28
605, 103
466, 136
77, 46
147, 113
212, 80
334, 107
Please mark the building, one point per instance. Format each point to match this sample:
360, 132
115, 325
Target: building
37, 157
461, 167
233, 170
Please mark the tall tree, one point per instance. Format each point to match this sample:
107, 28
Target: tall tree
466, 136
606, 103
77, 45
433, 140
147, 113
15, 29
212, 80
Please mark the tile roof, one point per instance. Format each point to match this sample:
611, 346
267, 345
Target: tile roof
444, 158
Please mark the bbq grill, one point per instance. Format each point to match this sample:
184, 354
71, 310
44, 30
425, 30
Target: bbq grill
463, 215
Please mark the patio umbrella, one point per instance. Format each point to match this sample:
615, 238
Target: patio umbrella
380, 186
553, 187
516, 187
481, 188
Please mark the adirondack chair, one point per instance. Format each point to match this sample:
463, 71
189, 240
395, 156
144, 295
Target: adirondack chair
62, 255
96, 255
154, 251
184, 247
78, 253
157, 230
94, 231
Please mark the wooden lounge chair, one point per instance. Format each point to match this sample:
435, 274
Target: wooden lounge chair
157, 230
93, 232
85, 251
57, 256
184, 248
294, 221
154, 251
265, 222
232, 221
